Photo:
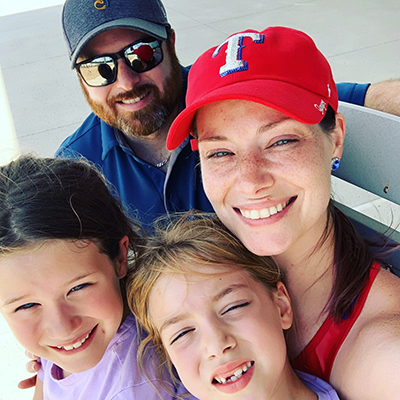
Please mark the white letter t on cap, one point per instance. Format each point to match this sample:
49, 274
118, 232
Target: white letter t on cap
234, 62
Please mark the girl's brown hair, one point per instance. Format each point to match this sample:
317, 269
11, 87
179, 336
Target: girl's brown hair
193, 239
43, 199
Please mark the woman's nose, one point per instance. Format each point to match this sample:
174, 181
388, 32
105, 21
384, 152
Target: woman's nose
254, 174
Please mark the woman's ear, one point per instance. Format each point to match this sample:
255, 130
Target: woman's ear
338, 135
284, 305
122, 259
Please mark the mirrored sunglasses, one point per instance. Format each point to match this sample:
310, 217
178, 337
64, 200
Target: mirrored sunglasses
139, 56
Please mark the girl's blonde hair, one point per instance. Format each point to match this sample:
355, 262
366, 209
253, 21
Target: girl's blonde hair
191, 239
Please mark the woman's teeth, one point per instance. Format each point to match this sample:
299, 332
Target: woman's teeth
236, 375
265, 212
75, 345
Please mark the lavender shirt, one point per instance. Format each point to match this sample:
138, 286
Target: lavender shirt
115, 377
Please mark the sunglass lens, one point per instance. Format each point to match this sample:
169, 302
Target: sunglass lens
144, 57
98, 72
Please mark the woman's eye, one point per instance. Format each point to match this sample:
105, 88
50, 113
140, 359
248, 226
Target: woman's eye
282, 142
219, 154
79, 287
236, 306
181, 335
26, 306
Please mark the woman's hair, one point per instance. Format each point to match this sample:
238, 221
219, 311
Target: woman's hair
190, 240
43, 199
352, 256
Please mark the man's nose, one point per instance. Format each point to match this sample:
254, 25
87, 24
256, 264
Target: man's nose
127, 78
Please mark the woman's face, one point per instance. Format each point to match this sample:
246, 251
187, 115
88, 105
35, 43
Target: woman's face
267, 176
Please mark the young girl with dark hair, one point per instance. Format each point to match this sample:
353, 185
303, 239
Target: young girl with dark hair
65, 252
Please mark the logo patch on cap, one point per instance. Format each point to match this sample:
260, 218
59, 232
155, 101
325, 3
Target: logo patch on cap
321, 107
234, 61
101, 4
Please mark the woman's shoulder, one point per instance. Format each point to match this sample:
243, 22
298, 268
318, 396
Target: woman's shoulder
371, 352
380, 318
384, 296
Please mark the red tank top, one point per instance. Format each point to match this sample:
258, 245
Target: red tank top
318, 356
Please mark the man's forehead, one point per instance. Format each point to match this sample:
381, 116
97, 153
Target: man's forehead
110, 41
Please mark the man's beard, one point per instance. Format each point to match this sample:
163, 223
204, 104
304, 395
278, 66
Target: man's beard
151, 118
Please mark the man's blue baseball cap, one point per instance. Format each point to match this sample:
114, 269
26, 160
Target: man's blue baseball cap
82, 20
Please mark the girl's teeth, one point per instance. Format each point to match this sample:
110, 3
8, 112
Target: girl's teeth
75, 345
236, 375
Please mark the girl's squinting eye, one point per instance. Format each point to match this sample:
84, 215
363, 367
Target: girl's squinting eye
26, 306
180, 335
235, 307
79, 287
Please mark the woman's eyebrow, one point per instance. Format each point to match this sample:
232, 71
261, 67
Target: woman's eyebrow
272, 125
261, 129
216, 138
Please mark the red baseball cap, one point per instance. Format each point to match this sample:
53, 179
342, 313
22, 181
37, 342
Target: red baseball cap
278, 67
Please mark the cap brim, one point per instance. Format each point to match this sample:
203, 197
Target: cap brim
155, 30
293, 101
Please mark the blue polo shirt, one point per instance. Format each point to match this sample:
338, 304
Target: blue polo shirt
145, 191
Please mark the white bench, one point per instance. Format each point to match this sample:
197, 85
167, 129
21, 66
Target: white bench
371, 161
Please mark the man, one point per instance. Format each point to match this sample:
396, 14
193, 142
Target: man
124, 54
133, 110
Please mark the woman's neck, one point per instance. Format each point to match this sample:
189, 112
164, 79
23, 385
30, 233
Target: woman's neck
308, 272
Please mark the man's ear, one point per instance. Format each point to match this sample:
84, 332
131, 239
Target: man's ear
172, 37
122, 259
284, 305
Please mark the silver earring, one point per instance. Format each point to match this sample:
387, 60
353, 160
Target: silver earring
335, 163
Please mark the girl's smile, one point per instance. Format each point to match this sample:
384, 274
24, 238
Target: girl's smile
223, 331
62, 301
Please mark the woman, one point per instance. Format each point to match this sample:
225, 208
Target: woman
263, 108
